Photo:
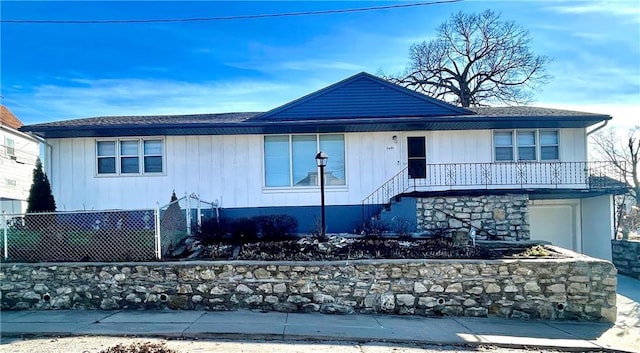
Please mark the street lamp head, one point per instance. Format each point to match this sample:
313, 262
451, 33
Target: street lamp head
321, 159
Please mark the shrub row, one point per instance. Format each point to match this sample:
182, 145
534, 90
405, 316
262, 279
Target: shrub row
248, 230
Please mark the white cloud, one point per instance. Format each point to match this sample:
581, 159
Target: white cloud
103, 97
629, 9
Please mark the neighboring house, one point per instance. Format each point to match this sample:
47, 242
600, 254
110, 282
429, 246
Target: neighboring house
515, 173
18, 154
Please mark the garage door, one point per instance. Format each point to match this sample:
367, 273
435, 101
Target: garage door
554, 223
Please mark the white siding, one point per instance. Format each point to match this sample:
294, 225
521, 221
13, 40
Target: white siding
16, 173
230, 169
597, 225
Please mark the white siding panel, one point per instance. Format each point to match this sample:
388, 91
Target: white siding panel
459, 147
573, 145
230, 169
598, 226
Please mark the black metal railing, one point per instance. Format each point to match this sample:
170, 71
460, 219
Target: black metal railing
511, 175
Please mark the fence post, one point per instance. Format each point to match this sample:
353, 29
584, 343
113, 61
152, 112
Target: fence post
156, 214
4, 227
188, 214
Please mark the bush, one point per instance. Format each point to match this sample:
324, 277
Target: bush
213, 230
277, 227
174, 219
243, 230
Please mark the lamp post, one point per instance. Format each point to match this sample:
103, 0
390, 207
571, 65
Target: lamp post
321, 159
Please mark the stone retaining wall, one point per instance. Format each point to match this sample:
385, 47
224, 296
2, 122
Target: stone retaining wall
504, 215
583, 289
626, 257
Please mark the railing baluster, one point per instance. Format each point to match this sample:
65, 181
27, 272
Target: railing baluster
504, 174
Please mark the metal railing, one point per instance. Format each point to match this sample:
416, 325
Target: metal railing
512, 175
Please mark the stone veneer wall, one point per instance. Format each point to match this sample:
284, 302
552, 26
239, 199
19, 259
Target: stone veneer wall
626, 257
582, 289
503, 215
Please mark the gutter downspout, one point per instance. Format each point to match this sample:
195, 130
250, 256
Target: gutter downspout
598, 128
48, 150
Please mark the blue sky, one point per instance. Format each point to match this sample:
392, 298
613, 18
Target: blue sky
63, 71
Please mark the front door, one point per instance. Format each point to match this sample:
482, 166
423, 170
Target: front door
416, 157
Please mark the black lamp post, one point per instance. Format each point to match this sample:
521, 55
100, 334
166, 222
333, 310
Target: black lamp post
321, 159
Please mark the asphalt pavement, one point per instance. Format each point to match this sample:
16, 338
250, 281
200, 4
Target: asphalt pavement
624, 335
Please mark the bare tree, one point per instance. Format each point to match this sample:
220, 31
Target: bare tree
624, 153
475, 59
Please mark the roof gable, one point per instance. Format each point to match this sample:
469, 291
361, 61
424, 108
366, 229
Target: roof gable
362, 96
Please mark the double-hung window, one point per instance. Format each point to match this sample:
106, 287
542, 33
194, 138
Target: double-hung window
289, 160
526, 145
129, 156
10, 147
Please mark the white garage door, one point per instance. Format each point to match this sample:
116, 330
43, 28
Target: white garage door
554, 223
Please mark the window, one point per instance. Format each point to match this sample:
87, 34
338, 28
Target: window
106, 157
526, 145
549, 149
503, 142
11, 183
10, 147
530, 145
289, 160
124, 157
417, 157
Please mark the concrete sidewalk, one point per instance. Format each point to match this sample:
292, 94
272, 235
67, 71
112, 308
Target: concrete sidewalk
244, 324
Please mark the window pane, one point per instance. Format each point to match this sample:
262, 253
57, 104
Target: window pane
107, 165
129, 165
549, 153
153, 164
276, 155
129, 148
526, 153
333, 146
548, 137
526, 138
106, 148
11, 147
415, 147
503, 138
153, 147
504, 154
305, 169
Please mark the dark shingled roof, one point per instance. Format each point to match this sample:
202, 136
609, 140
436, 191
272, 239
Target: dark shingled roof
149, 120
360, 103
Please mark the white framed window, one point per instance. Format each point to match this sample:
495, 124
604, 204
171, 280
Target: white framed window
549, 145
526, 145
11, 183
130, 156
10, 146
289, 160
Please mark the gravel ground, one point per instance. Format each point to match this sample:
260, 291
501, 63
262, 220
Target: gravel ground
95, 344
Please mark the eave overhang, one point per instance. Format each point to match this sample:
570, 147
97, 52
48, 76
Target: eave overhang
249, 127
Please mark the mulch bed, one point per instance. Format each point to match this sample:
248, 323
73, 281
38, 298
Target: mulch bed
339, 248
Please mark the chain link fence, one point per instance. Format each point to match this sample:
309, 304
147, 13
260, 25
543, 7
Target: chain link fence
130, 235
183, 218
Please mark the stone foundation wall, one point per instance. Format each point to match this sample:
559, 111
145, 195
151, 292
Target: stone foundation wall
626, 257
583, 289
504, 215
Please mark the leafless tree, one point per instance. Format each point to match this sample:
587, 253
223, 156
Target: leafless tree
475, 59
624, 153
